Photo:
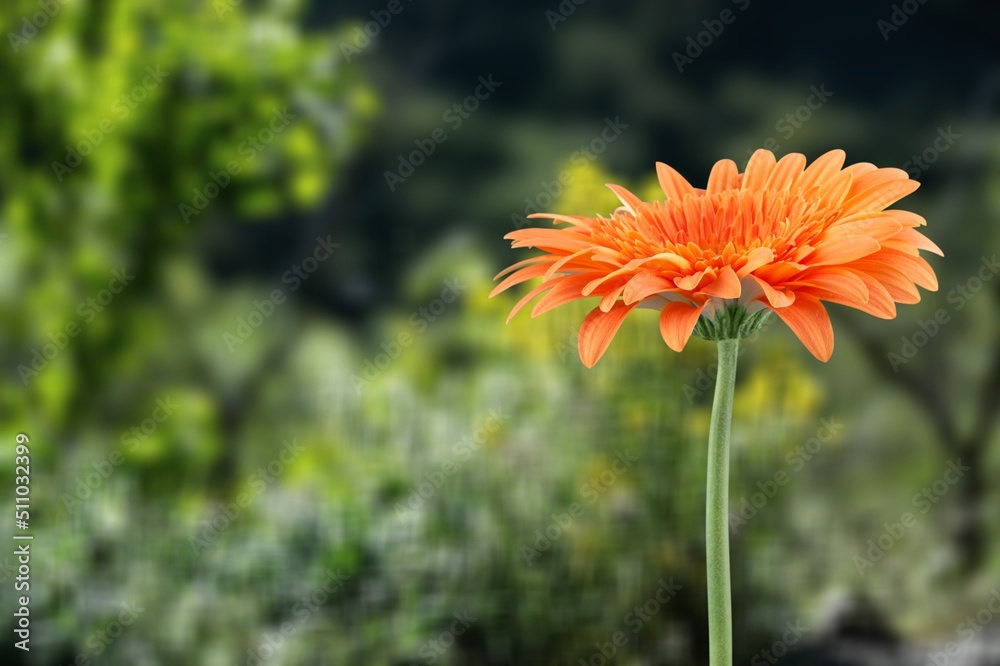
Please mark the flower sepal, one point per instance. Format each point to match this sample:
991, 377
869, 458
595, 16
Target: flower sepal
731, 323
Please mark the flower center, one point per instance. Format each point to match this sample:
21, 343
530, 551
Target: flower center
715, 228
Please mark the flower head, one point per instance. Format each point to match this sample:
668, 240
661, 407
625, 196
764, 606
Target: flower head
779, 237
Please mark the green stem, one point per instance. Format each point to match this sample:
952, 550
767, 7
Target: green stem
720, 603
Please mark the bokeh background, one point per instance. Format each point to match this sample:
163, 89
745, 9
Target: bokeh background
245, 254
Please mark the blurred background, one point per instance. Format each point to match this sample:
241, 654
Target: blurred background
274, 418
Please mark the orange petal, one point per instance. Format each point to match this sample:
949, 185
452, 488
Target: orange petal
669, 261
575, 220
858, 170
776, 299
625, 270
628, 199
880, 196
780, 271
832, 192
677, 321
868, 176
726, 285
875, 225
842, 250
915, 268
644, 285
545, 258
562, 261
788, 169
674, 185
880, 303
809, 321
598, 330
690, 282
725, 176
901, 289
822, 170
565, 290
837, 280
906, 218
917, 240
520, 276
614, 291
549, 239
756, 258
758, 170
840, 299
545, 286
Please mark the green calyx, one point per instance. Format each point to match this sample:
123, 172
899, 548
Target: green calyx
733, 323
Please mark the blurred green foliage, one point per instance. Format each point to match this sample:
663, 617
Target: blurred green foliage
185, 514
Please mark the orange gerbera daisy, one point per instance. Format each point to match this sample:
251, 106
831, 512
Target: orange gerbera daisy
780, 237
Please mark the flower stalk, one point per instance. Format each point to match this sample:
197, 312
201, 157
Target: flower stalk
720, 604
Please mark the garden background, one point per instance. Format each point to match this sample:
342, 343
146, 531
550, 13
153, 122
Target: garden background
245, 255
